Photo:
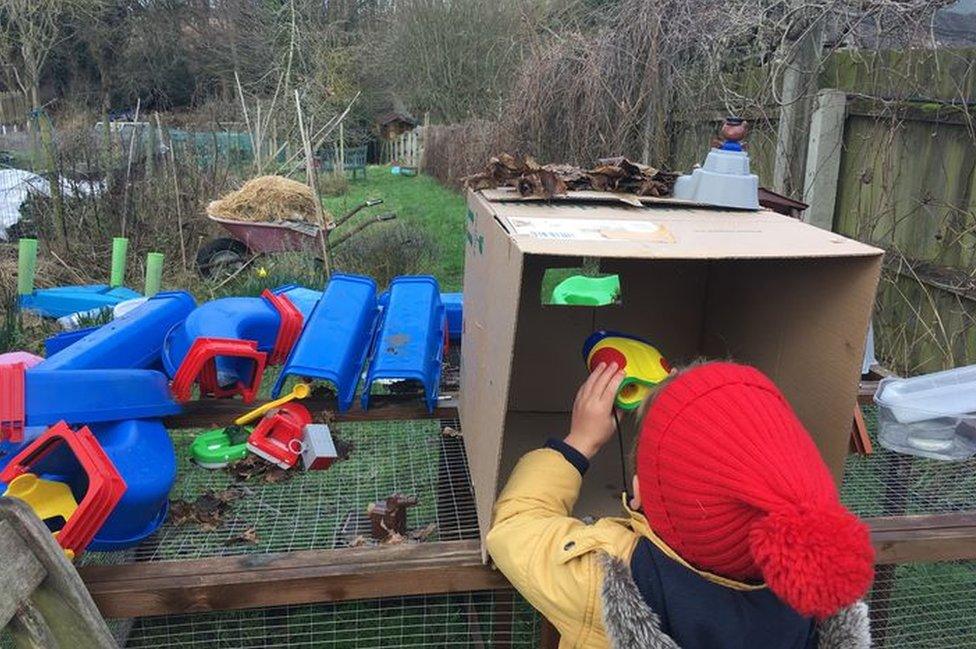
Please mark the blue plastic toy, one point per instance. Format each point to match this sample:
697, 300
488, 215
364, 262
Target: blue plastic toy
240, 318
92, 396
410, 343
57, 342
454, 308
65, 300
336, 337
304, 298
143, 454
134, 340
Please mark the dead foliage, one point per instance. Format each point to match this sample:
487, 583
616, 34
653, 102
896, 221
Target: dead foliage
389, 517
423, 533
344, 448
247, 537
254, 469
208, 510
615, 174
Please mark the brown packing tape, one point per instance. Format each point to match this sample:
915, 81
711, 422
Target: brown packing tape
661, 235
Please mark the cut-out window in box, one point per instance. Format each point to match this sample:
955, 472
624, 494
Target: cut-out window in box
581, 286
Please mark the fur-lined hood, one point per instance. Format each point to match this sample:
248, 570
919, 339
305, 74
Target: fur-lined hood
631, 624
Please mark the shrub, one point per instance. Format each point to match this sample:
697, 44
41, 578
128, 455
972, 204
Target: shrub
385, 251
334, 184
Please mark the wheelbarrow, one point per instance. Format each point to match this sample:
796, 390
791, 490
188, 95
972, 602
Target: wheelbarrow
225, 256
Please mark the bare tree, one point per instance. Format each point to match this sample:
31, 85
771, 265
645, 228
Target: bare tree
30, 30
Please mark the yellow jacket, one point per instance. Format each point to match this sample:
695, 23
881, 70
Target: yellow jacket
548, 555
557, 562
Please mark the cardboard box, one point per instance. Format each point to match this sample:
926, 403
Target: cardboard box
757, 287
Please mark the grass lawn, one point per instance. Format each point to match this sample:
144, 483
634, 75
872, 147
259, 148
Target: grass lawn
420, 202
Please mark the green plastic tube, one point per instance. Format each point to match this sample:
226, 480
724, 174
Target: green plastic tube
154, 273
26, 266
120, 246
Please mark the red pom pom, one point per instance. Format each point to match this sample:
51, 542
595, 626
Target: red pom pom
817, 560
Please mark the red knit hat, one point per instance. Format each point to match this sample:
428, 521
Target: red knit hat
730, 479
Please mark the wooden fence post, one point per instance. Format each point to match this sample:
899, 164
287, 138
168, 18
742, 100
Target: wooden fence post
824, 150
799, 82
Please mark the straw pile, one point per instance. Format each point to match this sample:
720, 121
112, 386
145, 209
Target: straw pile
268, 199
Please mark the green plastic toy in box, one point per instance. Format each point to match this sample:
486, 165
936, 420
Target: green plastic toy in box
580, 290
219, 447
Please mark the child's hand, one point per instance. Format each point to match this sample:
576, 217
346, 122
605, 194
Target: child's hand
592, 425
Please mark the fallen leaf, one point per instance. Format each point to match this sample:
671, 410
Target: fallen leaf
393, 539
450, 432
180, 512
248, 537
277, 474
207, 510
228, 495
423, 533
254, 468
343, 448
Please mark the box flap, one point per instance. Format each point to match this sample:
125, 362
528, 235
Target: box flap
598, 229
511, 195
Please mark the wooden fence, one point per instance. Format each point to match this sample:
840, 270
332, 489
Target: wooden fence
895, 172
406, 149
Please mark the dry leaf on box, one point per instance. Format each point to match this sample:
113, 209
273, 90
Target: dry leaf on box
529, 178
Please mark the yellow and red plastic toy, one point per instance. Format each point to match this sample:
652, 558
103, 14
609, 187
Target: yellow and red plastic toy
643, 364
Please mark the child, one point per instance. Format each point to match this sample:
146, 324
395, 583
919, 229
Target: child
735, 538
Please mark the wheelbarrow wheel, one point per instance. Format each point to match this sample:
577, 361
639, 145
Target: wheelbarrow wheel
220, 258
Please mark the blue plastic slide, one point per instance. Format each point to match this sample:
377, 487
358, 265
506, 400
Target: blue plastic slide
454, 307
135, 340
55, 343
336, 337
410, 344
65, 300
92, 396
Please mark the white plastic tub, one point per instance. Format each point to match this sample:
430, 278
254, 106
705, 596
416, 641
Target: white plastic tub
932, 415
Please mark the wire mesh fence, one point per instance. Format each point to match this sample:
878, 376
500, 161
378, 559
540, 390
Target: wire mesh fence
924, 605
323, 509
327, 509
912, 605
478, 619
885, 483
